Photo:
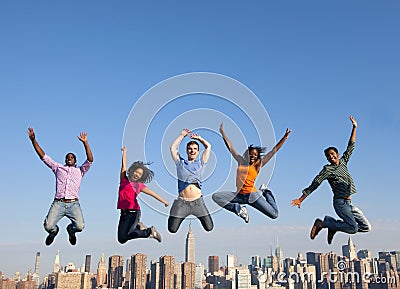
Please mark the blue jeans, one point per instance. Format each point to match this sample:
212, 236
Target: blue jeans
181, 208
353, 219
58, 210
231, 201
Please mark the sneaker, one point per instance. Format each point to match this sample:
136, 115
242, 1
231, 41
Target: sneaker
317, 227
263, 187
331, 233
155, 234
50, 239
72, 237
141, 226
243, 214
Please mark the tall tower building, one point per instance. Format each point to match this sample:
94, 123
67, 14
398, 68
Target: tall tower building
35, 275
115, 271
56, 267
279, 255
167, 272
213, 264
101, 278
231, 261
138, 271
188, 275
199, 277
88, 259
189, 249
155, 274
349, 250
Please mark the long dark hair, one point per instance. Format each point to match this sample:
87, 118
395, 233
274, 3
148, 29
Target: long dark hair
147, 173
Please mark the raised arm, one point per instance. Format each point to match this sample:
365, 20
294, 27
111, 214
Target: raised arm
147, 191
36, 146
175, 145
83, 138
354, 130
207, 146
123, 164
271, 153
229, 145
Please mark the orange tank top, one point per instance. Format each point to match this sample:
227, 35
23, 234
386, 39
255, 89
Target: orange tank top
245, 178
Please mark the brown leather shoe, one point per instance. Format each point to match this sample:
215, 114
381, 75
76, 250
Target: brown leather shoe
317, 227
331, 233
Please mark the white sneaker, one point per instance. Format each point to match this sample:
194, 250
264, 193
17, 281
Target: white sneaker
263, 187
243, 214
155, 234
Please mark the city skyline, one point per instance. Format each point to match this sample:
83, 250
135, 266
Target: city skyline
138, 262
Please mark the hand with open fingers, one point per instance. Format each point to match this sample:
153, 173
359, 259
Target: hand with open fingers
185, 132
83, 136
296, 202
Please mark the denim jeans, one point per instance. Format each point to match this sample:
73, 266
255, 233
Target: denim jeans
58, 210
181, 209
128, 227
353, 219
231, 201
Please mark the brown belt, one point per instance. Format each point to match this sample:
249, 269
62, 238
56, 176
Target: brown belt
64, 200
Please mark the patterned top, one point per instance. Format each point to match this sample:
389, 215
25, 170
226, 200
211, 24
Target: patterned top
127, 194
189, 173
68, 178
338, 177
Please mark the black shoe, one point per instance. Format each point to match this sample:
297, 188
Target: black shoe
50, 239
72, 237
331, 233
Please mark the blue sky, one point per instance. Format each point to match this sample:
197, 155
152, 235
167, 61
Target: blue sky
74, 66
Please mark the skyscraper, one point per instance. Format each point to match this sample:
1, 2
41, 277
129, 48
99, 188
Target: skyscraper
155, 274
167, 272
138, 271
213, 264
56, 267
279, 255
188, 275
35, 275
190, 246
101, 279
231, 261
115, 271
87, 263
349, 250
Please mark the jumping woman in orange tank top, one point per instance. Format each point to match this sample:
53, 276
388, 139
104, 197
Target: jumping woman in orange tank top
249, 165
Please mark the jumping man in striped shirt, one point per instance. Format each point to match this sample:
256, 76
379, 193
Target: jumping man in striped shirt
68, 181
352, 218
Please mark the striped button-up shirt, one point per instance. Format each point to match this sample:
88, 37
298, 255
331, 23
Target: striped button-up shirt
68, 178
338, 177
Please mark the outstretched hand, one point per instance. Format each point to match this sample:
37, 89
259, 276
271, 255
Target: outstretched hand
185, 132
83, 137
296, 202
31, 133
195, 136
353, 121
221, 127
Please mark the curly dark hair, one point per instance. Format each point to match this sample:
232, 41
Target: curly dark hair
259, 149
147, 173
